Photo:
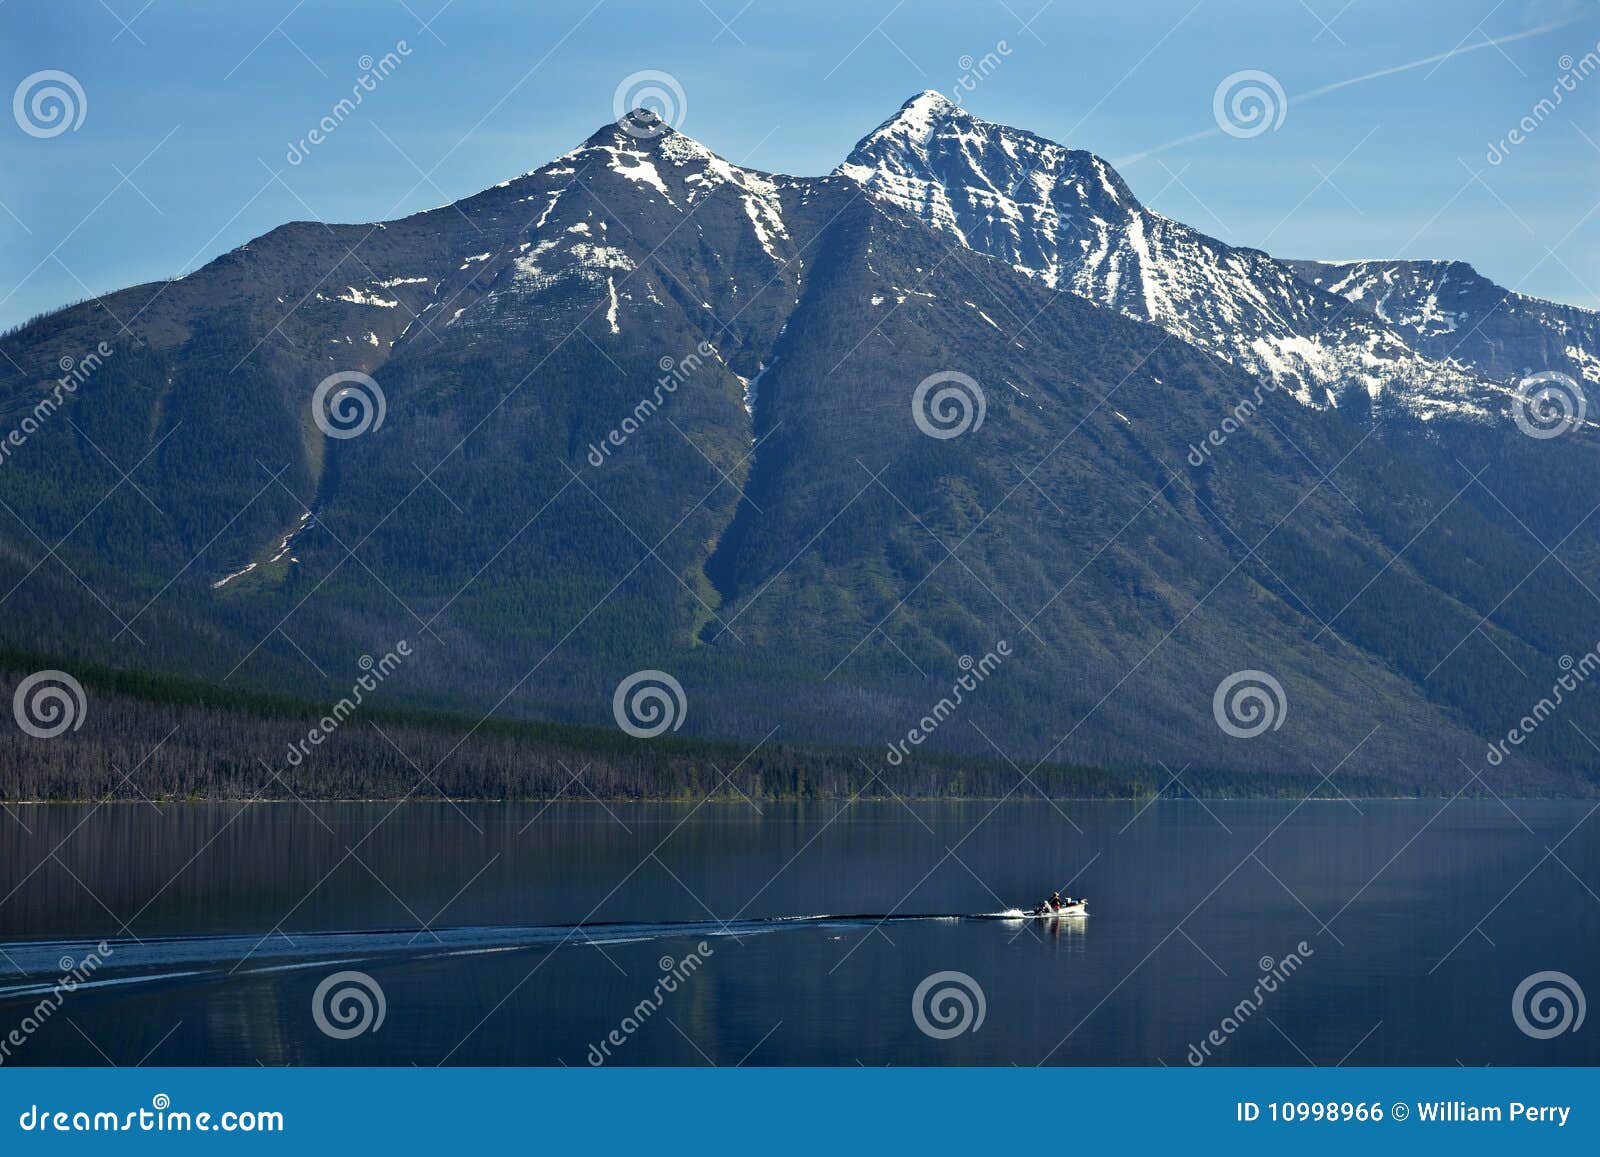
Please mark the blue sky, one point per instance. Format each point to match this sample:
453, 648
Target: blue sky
191, 108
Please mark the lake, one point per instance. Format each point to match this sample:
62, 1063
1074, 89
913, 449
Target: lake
1325, 932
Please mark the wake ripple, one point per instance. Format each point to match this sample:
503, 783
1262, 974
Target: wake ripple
31, 968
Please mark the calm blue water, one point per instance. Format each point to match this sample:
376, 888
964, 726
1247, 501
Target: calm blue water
524, 934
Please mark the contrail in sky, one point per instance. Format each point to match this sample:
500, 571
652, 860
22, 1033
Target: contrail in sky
1437, 58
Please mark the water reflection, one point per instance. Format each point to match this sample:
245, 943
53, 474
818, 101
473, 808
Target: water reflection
469, 929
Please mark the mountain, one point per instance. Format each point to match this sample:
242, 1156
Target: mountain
1064, 217
642, 409
1449, 311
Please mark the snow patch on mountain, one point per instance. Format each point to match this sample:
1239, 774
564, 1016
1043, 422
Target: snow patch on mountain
600, 256
758, 192
1419, 305
1587, 361
635, 165
1451, 312
611, 308
361, 297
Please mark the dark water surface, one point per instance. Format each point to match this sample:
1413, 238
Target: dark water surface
1419, 920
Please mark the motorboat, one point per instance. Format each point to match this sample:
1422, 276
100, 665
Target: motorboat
1067, 907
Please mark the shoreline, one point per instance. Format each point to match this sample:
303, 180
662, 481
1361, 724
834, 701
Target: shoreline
737, 798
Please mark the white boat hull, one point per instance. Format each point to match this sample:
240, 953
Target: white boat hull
1079, 909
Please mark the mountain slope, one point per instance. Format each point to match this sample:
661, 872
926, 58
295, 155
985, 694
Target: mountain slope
1448, 310
1065, 217
644, 409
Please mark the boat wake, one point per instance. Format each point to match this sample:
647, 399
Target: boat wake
31, 968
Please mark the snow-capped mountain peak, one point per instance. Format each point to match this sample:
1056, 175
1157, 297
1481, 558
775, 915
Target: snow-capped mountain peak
1067, 218
1000, 190
597, 235
916, 120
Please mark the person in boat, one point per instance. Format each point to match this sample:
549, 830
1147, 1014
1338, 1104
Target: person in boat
1055, 901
